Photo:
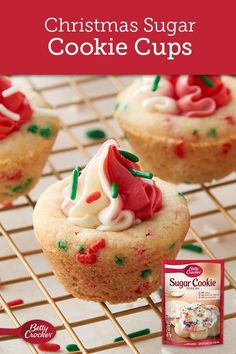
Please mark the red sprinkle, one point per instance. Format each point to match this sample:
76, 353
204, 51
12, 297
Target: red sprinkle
15, 302
17, 174
144, 286
180, 150
85, 258
12, 176
6, 205
226, 148
230, 120
49, 347
138, 291
96, 246
92, 197
167, 120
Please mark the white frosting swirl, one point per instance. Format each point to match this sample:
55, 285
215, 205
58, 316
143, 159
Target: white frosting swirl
159, 100
104, 213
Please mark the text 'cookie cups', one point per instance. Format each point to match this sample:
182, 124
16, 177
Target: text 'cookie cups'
106, 230
28, 129
183, 128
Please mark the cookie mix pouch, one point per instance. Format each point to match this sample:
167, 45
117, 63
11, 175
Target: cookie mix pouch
192, 302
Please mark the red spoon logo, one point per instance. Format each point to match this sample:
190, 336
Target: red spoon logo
33, 331
191, 270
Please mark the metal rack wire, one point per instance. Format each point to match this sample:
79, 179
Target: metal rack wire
78, 97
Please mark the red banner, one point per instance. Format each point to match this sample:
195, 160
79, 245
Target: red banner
123, 37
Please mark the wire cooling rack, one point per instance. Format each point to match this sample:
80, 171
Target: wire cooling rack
84, 103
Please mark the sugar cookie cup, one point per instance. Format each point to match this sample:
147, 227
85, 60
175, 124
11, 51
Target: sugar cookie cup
100, 264
177, 147
24, 143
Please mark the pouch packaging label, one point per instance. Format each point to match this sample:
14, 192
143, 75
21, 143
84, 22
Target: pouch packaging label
192, 302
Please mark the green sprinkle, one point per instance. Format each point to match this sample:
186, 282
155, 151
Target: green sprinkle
22, 186
193, 248
45, 132
142, 332
33, 128
159, 292
96, 134
156, 82
194, 132
126, 107
62, 245
126, 136
212, 133
74, 183
114, 190
119, 261
72, 348
129, 156
207, 81
117, 105
81, 249
180, 194
145, 273
142, 174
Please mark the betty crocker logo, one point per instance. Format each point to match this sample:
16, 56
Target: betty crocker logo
193, 270
34, 331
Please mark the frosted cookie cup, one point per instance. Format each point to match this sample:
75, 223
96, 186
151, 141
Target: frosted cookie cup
28, 129
183, 128
106, 230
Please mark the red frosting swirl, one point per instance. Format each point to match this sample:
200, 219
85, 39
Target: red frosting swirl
196, 98
16, 103
144, 199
